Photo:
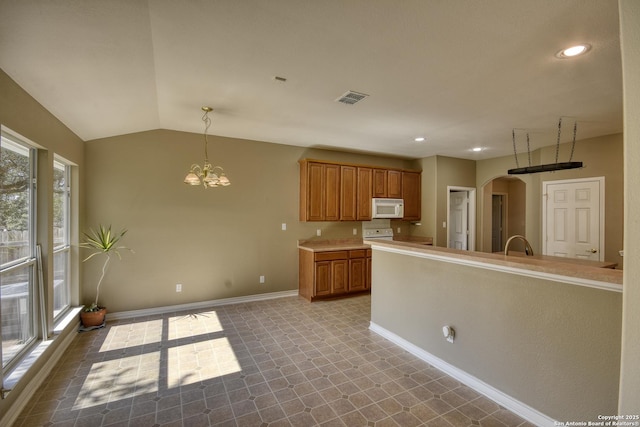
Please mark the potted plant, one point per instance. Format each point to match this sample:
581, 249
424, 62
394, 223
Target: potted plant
102, 242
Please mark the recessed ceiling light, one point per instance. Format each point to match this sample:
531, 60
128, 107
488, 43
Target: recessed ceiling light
573, 51
419, 139
476, 149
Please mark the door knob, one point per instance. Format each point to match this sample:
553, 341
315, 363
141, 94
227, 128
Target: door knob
593, 251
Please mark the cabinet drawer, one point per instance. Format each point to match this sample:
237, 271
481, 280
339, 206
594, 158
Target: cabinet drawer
358, 253
330, 256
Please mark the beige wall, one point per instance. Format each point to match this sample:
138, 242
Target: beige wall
630, 371
602, 156
215, 242
439, 172
550, 345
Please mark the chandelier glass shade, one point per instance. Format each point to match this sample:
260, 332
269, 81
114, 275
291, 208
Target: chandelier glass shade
206, 175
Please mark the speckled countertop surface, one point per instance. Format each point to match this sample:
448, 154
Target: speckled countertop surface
326, 245
546, 265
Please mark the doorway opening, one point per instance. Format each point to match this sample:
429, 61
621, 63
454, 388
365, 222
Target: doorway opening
461, 216
503, 213
499, 215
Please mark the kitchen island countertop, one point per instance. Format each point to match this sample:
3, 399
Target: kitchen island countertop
579, 273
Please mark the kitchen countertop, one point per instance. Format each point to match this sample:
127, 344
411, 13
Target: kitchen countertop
327, 245
580, 273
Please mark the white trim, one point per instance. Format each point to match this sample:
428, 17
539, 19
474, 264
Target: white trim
601, 181
471, 217
199, 305
513, 405
606, 286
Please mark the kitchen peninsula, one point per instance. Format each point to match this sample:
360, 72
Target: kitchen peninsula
540, 337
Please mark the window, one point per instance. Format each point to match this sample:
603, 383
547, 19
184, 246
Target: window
17, 247
61, 248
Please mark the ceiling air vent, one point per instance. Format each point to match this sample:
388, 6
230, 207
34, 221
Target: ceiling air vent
351, 97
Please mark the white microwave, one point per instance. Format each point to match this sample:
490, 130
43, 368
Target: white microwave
387, 208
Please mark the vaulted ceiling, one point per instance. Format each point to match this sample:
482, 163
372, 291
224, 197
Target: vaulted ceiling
461, 73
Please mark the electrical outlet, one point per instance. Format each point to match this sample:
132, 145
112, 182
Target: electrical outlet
284, 226
318, 232
355, 231
398, 230
444, 224
179, 287
261, 279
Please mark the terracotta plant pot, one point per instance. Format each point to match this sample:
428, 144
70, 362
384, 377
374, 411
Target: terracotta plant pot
93, 318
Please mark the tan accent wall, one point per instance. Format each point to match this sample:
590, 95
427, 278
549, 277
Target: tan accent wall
630, 371
215, 242
550, 345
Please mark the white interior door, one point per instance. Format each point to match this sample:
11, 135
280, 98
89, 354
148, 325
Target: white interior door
573, 220
459, 220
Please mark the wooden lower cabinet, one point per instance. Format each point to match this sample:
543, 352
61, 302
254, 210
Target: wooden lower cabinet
333, 273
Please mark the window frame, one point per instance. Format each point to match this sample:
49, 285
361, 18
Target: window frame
11, 138
66, 246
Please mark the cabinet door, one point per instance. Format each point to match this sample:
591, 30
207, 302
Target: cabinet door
357, 274
332, 193
348, 187
394, 184
364, 194
368, 282
411, 194
315, 192
323, 278
340, 276
379, 183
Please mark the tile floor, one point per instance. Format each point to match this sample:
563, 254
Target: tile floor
281, 362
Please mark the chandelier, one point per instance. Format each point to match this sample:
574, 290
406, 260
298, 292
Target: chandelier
207, 175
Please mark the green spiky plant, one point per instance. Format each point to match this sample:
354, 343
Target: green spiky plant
102, 242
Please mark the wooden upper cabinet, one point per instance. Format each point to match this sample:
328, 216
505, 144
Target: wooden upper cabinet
348, 193
332, 193
387, 183
379, 183
343, 192
319, 192
364, 194
394, 184
411, 193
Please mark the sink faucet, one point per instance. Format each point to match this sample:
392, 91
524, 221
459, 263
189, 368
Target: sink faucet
528, 250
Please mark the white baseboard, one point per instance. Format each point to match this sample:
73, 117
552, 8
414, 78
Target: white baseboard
514, 405
200, 305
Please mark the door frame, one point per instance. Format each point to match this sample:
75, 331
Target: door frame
471, 219
545, 196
